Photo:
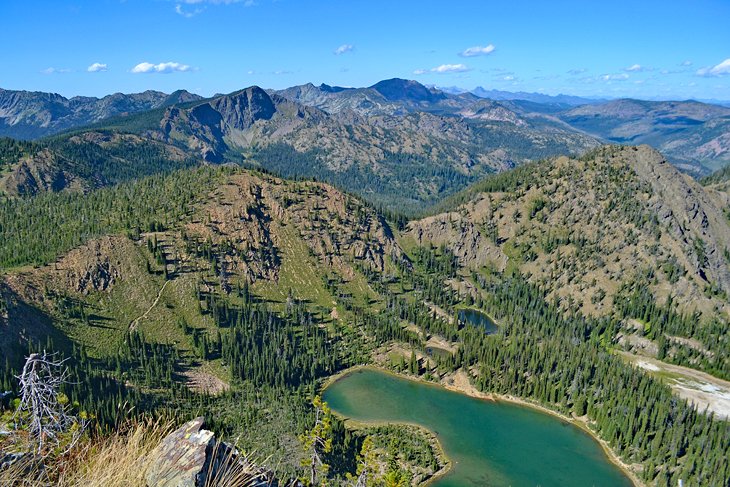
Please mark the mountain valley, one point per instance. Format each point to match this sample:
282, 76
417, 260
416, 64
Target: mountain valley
228, 290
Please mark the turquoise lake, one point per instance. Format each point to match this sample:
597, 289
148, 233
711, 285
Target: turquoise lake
489, 443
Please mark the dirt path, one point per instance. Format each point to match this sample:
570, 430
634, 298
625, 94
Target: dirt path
699, 388
135, 322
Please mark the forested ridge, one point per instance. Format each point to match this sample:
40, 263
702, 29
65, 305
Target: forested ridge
37, 230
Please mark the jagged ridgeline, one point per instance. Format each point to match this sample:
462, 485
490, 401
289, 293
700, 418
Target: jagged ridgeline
235, 293
399, 151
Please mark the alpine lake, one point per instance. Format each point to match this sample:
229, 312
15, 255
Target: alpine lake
489, 443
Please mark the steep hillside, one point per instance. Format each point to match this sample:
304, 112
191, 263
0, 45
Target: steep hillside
249, 230
189, 270
31, 115
615, 230
694, 135
83, 161
582, 227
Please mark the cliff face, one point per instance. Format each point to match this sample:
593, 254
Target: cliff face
692, 214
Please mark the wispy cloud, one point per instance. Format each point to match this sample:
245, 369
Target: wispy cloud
161, 68
478, 51
187, 13
97, 68
576, 71
55, 70
615, 77
686, 63
721, 69
343, 49
635, 68
444, 68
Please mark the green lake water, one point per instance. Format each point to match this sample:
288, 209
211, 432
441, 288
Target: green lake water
477, 318
489, 443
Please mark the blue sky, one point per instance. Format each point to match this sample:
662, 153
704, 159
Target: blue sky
674, 49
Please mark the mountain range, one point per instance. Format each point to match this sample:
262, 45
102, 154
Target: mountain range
33, 114
397, 143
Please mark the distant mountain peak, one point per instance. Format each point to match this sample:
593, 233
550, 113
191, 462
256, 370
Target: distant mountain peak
533, 97
332, 89
397, 89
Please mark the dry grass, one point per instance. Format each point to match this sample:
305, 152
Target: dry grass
121, 459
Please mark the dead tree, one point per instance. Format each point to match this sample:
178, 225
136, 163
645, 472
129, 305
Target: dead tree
40, 383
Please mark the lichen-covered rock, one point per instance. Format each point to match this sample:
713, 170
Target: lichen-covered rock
191, 457
181, 460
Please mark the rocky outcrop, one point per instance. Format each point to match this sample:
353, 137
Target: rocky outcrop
41, 172
192, 457
690, 212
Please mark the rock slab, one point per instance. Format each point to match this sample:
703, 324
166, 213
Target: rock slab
181, 458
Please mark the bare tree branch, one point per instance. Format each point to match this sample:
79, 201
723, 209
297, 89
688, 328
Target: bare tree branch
40, 383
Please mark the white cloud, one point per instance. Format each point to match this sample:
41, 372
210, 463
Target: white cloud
615, 77
721, 69
577, 71
686, 63
161, 68
634, 68
343, 49
477, 51
186, 13
97, 68
444, 68
55, 71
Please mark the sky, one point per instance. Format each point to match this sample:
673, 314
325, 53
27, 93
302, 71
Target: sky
670, 49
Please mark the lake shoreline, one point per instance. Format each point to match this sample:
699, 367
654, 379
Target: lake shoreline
469, 390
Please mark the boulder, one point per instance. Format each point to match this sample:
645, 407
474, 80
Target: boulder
181, 459
191, 457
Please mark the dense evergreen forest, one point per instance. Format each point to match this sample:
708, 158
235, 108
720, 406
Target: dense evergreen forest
566, 363
36, 230
393, 186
